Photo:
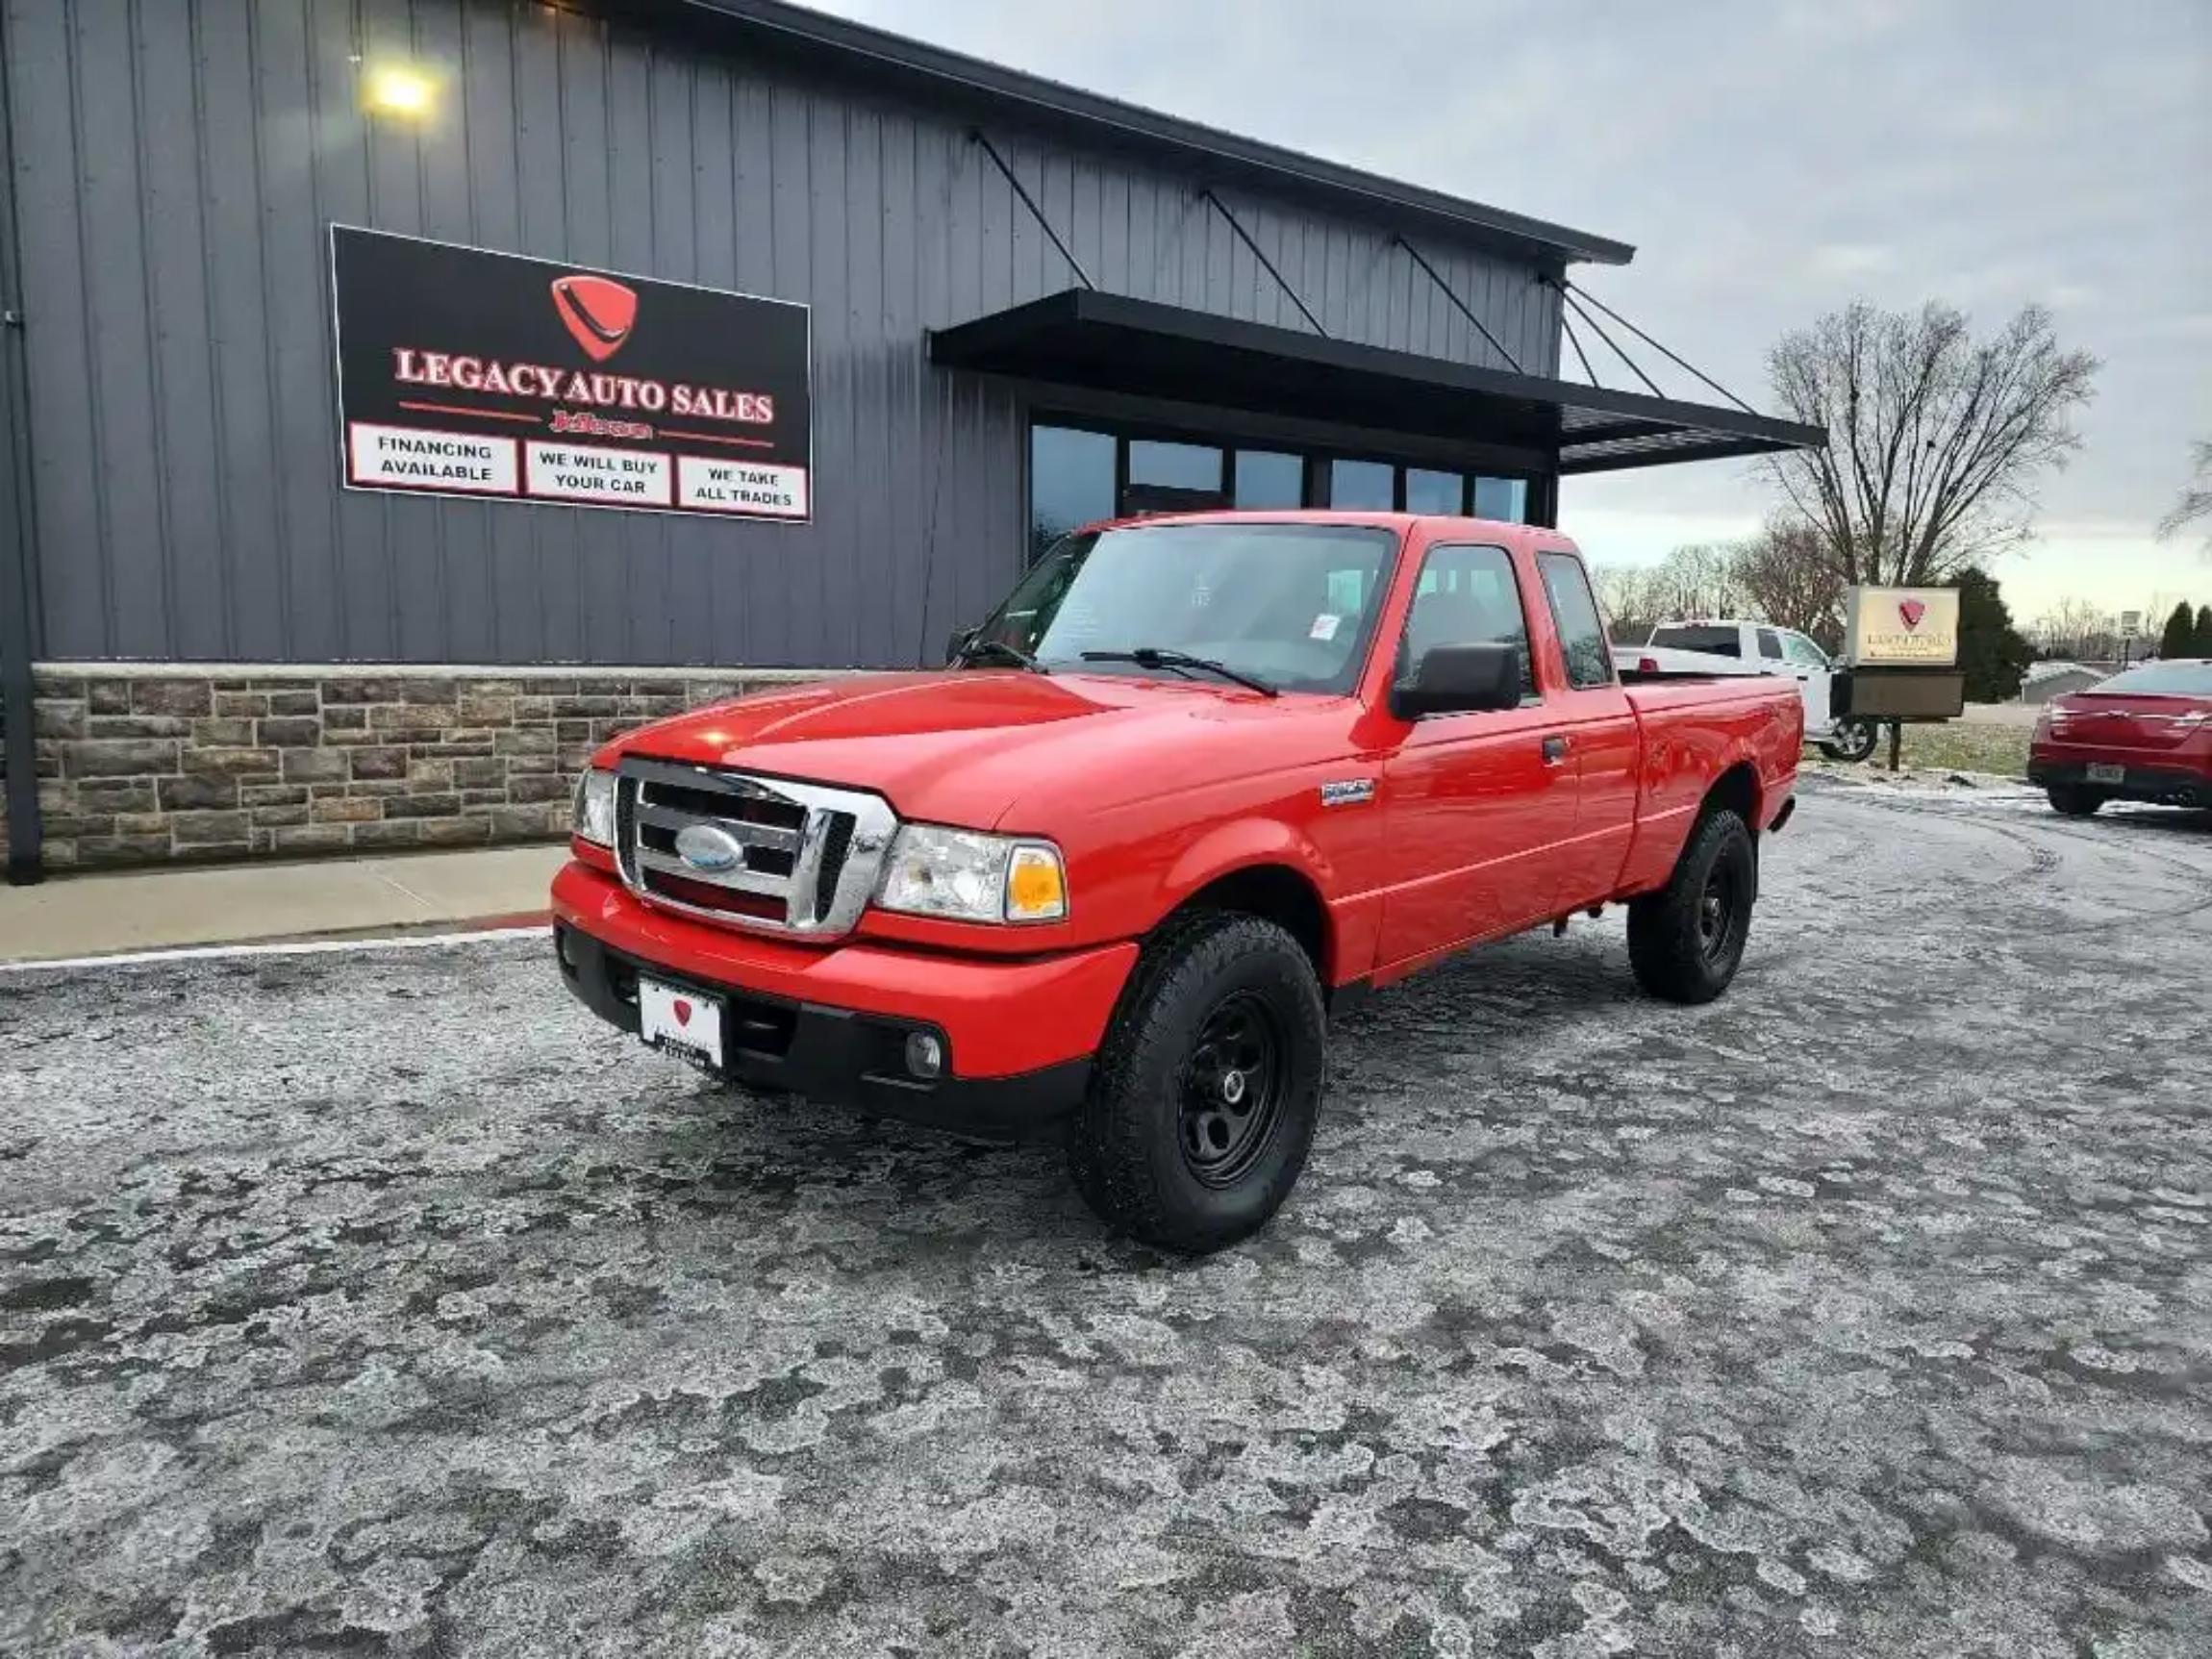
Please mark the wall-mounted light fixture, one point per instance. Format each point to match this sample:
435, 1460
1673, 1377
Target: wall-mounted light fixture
402, 90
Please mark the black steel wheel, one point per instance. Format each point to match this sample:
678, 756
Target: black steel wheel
1724, 912
1686, 941
1232, 1089
1203, 1098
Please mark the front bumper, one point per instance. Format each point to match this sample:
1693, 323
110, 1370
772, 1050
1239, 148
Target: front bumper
2170, 785
830, 1024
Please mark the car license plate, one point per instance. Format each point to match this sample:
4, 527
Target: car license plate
681, 1022
2105, 773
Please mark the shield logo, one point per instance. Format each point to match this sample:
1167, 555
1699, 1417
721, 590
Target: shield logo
597, 312
1912, 610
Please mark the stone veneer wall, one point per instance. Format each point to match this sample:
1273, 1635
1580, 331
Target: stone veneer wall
155, 762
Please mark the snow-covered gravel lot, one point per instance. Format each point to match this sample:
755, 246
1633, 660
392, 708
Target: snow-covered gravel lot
383, 1302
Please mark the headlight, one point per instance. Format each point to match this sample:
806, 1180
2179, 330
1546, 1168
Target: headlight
591, 815
972, 877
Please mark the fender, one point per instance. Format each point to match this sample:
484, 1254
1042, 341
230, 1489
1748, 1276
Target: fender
1348, 928
1226, 848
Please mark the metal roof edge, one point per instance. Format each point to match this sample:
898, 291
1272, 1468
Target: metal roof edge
860, 45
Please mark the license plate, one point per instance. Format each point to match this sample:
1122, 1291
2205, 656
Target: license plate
2105, 773
681, 1022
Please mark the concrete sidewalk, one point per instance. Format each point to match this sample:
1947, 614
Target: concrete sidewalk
228, 904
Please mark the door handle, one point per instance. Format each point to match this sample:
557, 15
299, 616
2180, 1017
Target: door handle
1555, 751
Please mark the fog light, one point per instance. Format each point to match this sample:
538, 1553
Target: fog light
925, 1054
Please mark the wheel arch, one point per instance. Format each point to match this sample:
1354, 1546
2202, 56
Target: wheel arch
1736, 790
1275, 893
1264, 867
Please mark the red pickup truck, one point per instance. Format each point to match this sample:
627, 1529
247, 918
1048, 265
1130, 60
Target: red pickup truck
1198, 782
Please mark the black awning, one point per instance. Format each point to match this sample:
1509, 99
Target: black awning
1110, 342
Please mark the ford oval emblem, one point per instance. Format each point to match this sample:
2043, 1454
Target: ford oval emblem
707, 849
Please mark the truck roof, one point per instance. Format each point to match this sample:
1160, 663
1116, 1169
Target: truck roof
1491, 529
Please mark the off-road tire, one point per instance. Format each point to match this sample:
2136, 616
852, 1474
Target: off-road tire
2074, 800
1674, 955
1126, 1150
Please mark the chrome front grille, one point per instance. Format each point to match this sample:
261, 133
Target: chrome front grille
769, 854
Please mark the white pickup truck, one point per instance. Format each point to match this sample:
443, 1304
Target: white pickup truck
1736, 647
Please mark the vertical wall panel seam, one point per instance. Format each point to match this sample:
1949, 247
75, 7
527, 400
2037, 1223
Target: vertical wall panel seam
279, 498
312, 83
357, 53
164, 530
103, 551
440, 546
536, 540
226, 554
17, 451
656, 526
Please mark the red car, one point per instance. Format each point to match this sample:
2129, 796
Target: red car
1195, 783
2144, 735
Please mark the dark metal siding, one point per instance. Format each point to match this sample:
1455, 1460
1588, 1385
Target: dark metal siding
178, 163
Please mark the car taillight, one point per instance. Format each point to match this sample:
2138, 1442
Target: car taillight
1646, 664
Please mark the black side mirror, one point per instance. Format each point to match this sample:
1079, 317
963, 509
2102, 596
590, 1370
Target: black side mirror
958, 641
1459, 679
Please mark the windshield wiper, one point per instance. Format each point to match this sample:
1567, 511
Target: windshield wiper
1014, 654
1154, 657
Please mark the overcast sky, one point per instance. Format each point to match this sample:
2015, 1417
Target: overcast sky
1770, 160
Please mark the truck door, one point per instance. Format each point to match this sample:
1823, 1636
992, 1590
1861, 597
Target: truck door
1476, 803
1592, 716
1809, 665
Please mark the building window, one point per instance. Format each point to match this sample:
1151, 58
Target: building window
1266, 478
1081, 475
1070, 482
1504, 499
1362, 486
1427, 492
1175, 466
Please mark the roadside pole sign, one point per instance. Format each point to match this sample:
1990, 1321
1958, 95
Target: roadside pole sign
469, 373
1900, 646
1903, 627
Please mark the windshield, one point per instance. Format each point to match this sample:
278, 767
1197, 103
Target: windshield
1291, 604
2181, 678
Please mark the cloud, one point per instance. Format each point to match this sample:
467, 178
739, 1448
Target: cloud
1848, 262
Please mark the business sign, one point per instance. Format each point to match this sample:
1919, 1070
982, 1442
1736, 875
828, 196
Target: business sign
463, 372
1903, 627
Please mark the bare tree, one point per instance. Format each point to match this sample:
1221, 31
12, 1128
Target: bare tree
1935, 439
1786, 577
1697, 580
2078, 629
1627, 594
2195, 503
1694, 580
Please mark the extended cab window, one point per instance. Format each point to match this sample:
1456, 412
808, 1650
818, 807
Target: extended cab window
1466, 597
1581, 635
1293, 604
1770, 646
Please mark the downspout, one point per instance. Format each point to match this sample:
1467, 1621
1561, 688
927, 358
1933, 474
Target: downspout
18, 591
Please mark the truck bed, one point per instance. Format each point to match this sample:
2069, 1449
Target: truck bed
1694, 729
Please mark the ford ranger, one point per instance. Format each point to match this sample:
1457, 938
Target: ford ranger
1198, 783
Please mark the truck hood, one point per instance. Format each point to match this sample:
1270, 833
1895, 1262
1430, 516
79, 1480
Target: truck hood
965, 747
